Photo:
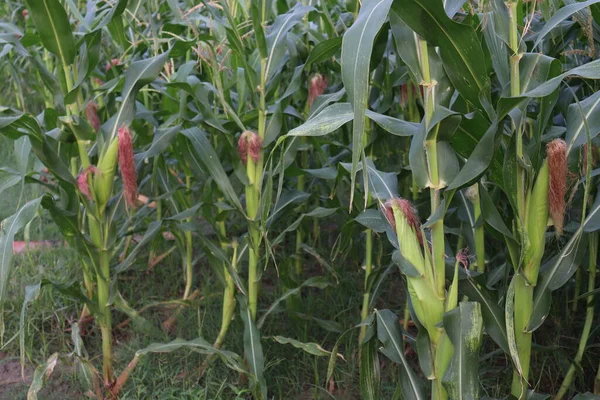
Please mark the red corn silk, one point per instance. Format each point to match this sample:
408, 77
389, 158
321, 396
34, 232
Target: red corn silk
318, 84
409, 213
127, 166
556, 152
112, 63
249, 143
91, 113
82, 181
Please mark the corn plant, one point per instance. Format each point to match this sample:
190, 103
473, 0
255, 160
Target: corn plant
447, 149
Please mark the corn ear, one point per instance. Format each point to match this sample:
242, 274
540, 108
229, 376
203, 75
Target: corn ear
429, 308
407, 237
535, 224
103, 181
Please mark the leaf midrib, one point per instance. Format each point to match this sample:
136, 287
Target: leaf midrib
58, 43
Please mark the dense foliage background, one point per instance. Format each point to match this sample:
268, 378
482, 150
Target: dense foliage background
312, 199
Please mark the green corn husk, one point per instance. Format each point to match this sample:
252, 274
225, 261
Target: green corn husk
103, 181
429, 308
535, 224
536, 220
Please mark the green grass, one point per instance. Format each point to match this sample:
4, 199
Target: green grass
290, 371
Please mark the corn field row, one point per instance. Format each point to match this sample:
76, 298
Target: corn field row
447, 150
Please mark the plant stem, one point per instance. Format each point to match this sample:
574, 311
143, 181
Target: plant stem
478, 231
589, 317
300, 184
523, 287
368, 269
103, 284
523, 311
578, 276
440, 345
437, 230
189, 250
515, 90
255, 172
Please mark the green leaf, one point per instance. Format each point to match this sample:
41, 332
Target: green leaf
464, 326
382, 185
493, 318
259, 33
89, 57
394, 126
535, 71
587, 396
590, 70
323, 51
357, 46
207, 156
509, 314
470, 131
153, 228
453, 6
253, 352
140, 73
458, 44
580, 114
31, 293
310, 348
10, 226
218, 253
15, 126
495, 27
491, 214
327, 121
390, 335
230, 359
278, 33
370, 372
160, 142
287, 198
372, 219
554, 274
559, 16
332, 356
315, 282
561, 267
54, 28
406, 45
479, 160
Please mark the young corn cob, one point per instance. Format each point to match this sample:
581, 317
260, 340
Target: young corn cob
429, 307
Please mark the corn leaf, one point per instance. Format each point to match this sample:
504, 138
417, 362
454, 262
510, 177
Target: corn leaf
464, 326
52, 23
459, 45
559, 16
205, 155
370, 372
310, 348
139, 74
253, 352
357, 45
390, 335
328, 120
